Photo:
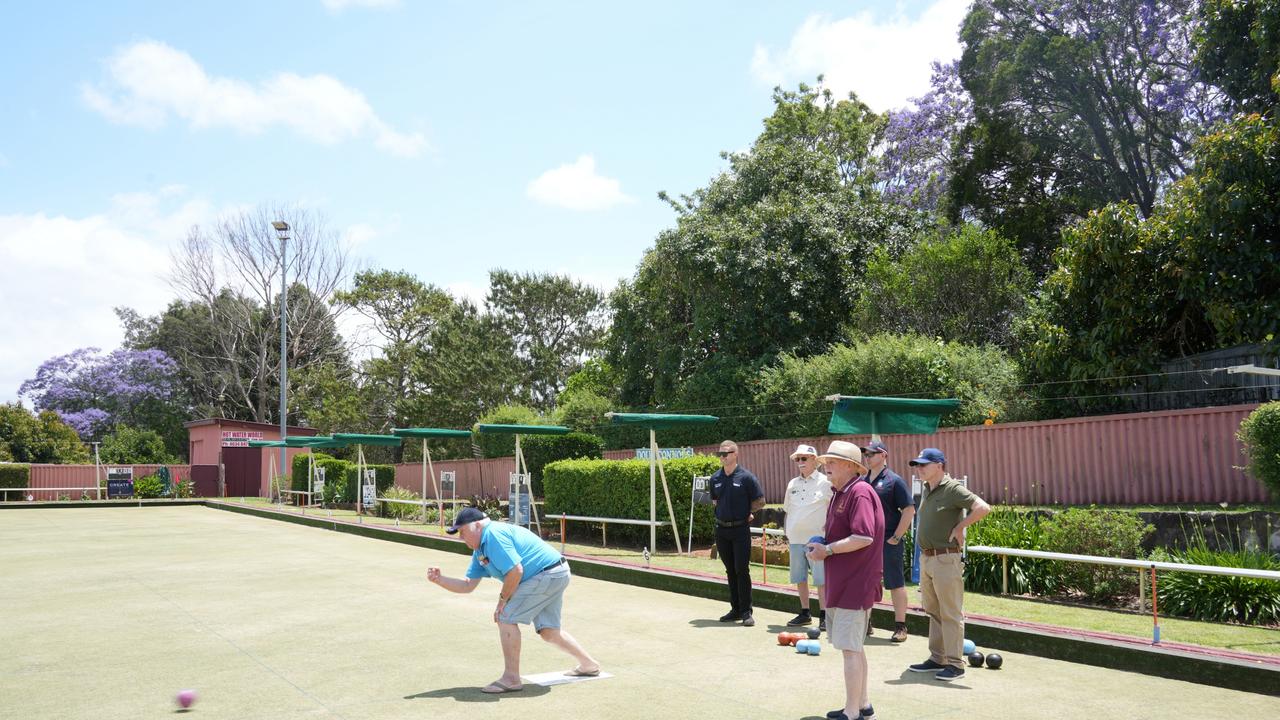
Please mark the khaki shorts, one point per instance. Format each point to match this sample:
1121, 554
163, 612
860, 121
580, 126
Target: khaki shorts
846, 629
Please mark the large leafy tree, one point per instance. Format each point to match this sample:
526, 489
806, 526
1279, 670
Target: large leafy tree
38, 438
92, 392
555, 323
968, 286
1077, 103
914, 168
760, 261
403, 313
1239, 51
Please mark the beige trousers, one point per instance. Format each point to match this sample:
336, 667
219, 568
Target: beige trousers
942, 594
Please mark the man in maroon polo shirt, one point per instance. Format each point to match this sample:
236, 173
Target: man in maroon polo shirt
854, 569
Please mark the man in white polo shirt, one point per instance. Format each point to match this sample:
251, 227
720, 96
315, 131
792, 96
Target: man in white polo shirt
805, 504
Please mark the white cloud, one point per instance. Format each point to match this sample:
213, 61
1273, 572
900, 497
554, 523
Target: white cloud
358, 235
340, 5
577, 187
883, 61
60, 277
148, 82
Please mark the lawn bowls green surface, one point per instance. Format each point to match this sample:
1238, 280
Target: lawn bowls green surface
109, 613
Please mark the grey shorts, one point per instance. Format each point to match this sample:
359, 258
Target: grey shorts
801, 565
538, 600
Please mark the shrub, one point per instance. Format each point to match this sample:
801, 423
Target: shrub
400, 510
301, 468
1260, 435
620, 489
1010, 529
385, 477
14, 476
335, 478
542, 449
184, 489
1091, 531
490, 505
983, 379
1219, 598
149, 486
127, 445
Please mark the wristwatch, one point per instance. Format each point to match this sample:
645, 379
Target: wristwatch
830, 552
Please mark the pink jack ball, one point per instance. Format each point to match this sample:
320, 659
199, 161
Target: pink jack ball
186, 698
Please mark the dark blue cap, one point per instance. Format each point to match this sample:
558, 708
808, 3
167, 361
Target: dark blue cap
876, 446
465, 515
930, 455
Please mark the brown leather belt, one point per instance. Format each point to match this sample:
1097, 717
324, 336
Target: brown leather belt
930, 552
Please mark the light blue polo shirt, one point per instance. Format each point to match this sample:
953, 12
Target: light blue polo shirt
504, 546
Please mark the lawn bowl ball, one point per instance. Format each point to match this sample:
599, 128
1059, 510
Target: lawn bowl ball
186, 698
976, 659
802, 647
994, 661
815, 647
969, 646
814, 633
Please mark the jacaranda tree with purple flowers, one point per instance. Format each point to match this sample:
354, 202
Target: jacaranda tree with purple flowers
93, 392
1077, 103
917, 141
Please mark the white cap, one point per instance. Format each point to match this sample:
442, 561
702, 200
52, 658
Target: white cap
805, 450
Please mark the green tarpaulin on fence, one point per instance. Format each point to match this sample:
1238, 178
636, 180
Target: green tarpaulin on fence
879, 415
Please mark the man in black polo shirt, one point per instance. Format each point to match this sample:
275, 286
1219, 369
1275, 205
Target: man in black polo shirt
737, 495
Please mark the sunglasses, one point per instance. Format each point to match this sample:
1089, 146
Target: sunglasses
805, 459
722, 453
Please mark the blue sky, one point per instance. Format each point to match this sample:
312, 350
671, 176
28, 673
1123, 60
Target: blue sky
440, 138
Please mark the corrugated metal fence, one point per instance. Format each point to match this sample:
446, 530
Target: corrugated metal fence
82, 476
1170, 457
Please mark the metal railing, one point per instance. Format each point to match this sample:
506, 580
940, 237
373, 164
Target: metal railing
604, 525
1142, 566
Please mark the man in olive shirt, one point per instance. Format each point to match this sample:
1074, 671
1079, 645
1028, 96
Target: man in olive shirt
940, 534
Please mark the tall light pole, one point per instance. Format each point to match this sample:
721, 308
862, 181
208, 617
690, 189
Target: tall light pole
282, 231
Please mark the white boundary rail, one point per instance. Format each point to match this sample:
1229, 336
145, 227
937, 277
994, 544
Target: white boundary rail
1140, 565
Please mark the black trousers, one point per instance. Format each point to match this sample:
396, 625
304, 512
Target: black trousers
734, 546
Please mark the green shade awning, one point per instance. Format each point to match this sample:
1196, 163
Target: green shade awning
659, 420
523, 429
361, 439
879, 415
430, 432
266, 443
304, 440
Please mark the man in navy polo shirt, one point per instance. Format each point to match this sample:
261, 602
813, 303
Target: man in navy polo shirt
737, 496
895, 498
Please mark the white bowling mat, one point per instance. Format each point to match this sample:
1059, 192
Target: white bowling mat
559, 678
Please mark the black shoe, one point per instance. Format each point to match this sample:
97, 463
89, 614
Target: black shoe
950, 673
926, 666
822, 625
869, 629
748, 621
866, 712
733, 616
804, 618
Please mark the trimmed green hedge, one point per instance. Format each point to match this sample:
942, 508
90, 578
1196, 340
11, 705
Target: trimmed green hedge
13, 475
539, 450
335, 478
298, 479
620, 489
386, 477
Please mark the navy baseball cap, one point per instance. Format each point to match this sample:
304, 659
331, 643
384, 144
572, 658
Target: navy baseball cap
875, 447
929, 455
465, 515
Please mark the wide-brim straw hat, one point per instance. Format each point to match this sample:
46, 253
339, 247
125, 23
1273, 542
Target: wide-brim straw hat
841, 450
